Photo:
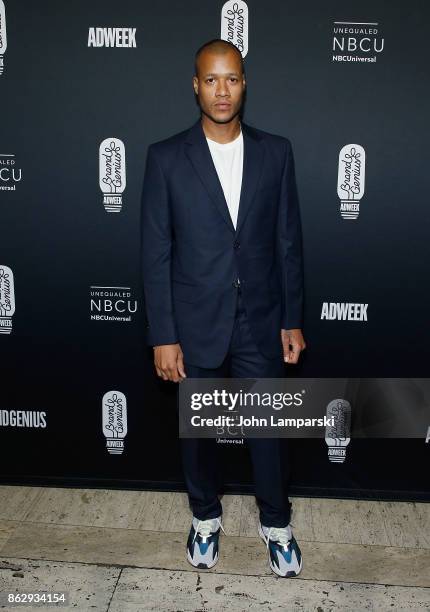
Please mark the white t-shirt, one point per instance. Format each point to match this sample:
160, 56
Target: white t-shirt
228, 161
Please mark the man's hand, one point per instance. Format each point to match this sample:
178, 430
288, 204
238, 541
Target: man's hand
293, 337
169, 362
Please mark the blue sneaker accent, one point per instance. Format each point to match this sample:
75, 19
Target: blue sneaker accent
285, 557
203, 542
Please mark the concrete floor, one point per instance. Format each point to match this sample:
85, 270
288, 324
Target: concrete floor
125, 551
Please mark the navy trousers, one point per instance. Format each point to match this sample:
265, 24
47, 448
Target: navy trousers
269, 456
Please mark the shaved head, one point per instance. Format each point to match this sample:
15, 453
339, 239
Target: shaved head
220, 47
219, 83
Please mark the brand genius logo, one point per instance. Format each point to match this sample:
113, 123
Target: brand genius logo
234, 24
3, 37
338, 434
350, 179
7, 299
112, 179
112, 37
114, 416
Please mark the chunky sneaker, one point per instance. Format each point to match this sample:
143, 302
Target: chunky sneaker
202, 543
285, 557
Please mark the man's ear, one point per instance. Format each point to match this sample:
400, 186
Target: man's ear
195, 84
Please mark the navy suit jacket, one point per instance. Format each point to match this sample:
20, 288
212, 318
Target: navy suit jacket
193, 258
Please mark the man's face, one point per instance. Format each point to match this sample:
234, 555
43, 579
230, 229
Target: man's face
219, 85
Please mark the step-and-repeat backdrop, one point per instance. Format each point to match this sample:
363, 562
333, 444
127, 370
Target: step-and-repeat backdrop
85, 87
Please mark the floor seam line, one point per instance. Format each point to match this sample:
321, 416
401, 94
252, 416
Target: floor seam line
218, 573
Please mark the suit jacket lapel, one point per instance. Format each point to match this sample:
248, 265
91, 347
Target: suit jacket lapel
201, 159
253, 157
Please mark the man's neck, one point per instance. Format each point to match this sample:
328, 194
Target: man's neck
222, 133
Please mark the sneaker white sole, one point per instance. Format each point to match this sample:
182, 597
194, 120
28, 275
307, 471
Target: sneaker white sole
208, 565
273, 567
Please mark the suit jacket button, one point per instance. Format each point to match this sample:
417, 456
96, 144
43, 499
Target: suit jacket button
236, 244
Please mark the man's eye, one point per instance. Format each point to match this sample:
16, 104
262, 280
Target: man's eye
233, 79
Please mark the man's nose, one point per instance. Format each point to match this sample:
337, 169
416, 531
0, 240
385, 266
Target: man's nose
222, 88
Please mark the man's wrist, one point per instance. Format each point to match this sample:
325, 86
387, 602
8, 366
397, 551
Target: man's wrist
291, 324
164, 344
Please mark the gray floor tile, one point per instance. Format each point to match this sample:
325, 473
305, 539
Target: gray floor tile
6, 530
238, 555
144, 590
16, 501
90, 587
66, 506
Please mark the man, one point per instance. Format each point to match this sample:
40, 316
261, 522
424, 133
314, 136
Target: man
223, 283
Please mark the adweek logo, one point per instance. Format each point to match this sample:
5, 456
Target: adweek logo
112, 304
235, 24
112, 37
356, 41
3, 36
114, 421
343, 311
112, 173
10, 174
7, 299
350, 179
